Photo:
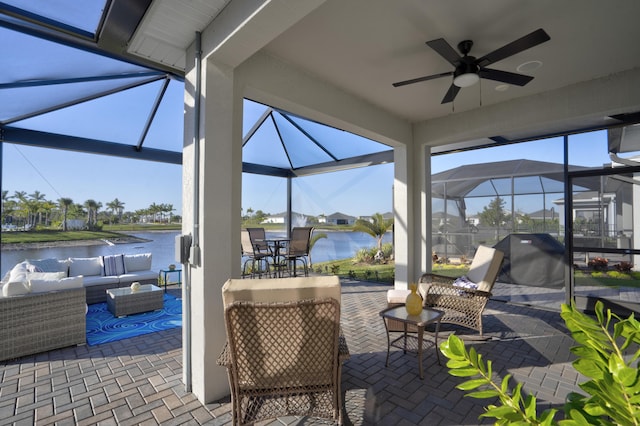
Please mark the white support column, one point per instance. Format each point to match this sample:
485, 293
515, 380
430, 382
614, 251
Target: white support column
424, 215
403, 240
220, 172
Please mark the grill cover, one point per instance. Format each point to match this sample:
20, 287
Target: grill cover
532, 259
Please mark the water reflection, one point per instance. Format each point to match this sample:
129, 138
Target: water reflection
337, 245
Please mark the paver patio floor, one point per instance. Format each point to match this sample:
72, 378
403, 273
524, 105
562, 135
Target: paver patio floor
139, 380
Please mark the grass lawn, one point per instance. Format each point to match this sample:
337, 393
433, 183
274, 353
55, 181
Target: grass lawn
384, 273
108, 232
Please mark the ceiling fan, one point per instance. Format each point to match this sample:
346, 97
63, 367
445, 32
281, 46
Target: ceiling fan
469, 69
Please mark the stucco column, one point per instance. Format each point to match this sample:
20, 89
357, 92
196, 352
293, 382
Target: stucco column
412, 213
219, 171
403, 239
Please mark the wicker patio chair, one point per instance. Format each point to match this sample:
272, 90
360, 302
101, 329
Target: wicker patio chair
283, 358
464, 301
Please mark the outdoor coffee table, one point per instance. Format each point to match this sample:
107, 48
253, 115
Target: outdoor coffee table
410, 342
123, 301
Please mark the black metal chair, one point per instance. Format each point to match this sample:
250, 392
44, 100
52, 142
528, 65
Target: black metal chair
298, 250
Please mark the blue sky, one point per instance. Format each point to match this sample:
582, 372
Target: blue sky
356, 192
120, 117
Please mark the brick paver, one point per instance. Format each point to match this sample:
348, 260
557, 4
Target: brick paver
138, 380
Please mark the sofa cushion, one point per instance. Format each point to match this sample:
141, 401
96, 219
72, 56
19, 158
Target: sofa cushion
49, 276
138, 276
45, 285
50, 265
137, 262
85, 266
92, 280
113, 265
14, 288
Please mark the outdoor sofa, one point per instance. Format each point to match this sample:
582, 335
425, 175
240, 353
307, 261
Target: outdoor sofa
40, 311
98, 273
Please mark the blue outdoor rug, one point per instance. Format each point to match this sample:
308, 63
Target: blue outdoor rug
103, 327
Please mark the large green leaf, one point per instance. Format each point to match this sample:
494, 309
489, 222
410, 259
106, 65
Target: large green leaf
472, 384
464, 372
589, 368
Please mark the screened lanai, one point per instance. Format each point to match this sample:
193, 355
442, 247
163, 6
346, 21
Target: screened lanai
68, 84
525, 189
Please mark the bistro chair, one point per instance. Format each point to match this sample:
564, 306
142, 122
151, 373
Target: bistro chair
260, 252
284, 349
298, 250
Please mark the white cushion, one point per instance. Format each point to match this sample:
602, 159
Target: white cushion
14, 288
45, 275
281, 290
46, 285
19, 273
138, 276
50, 265
397, 296
485, 267
85, 266
137, 262
92, 280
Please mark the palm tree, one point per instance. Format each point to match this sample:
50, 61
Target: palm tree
92, 212
23, 208
312, 242
37, 198
377, 227
64, 204
116, 206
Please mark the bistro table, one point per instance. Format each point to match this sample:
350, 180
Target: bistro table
410, 342
277, 245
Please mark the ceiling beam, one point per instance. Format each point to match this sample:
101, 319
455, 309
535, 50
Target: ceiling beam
86, 145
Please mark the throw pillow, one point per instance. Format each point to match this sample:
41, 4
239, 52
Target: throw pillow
85, 266
465, 282
50, 265
113, 265
137, 262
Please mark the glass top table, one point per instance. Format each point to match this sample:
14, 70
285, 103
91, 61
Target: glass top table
410, 342
124, 301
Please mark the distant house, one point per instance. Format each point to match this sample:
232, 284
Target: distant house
75, 224
297, 219
338, 218
276, 218
544, 214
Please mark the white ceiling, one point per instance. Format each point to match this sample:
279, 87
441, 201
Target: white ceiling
363, 46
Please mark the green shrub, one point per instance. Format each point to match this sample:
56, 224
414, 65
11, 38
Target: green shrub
364, 256
613, 388
619, 275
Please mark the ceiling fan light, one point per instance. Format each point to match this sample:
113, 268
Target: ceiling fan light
466, 80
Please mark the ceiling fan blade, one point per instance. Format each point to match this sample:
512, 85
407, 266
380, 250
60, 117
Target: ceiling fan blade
445, 50
419, 79
505, 76
451, 94
533, 39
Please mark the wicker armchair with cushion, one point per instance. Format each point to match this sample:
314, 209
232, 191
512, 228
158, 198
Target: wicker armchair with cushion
284, 349
463, 299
